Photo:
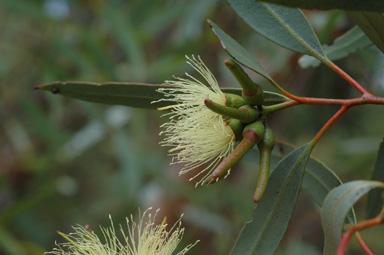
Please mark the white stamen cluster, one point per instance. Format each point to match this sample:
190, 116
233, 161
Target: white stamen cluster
142, 238
199, 136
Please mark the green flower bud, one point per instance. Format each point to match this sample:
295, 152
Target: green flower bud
237, 127
252, 93
234, 101
256, 129
252, 113
268, 140
252, 135
245, 113
265, 147
256, 98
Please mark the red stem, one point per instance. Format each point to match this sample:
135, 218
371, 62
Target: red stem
337, 115
365, 99
357, 227
363, 244
348, 78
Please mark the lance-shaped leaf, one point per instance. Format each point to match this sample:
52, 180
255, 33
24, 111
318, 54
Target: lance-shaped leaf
372, 23
130, 94
287, 27
375, 200
238, 52
336, 207
350, 42
270, 219
319, 180
350, 5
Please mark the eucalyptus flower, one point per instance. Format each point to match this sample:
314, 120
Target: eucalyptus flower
142, 238
200, 137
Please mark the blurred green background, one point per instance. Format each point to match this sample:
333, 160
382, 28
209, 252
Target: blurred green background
65, 162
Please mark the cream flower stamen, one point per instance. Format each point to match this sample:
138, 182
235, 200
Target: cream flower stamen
200, 137
142, 238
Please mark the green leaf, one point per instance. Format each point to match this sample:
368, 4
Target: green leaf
237, 52
375, 201
319, 180
270, 219
287, 27
130, 94
350, 42
357, 5
336, 206
372, 23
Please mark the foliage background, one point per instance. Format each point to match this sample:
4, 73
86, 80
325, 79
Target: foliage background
64, 161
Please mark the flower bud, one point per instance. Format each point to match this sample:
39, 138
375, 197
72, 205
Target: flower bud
265, 147
245, 113
252, 93
252, 135
256, 129
234, 101
237, 127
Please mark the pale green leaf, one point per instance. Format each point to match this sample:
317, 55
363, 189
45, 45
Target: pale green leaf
350, 42
336, 206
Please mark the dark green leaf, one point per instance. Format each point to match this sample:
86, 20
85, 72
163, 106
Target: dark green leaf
287, 27
375, 200
357, 5
130, 94
372, 23
270, 219
235, 50
336, 206
348, 43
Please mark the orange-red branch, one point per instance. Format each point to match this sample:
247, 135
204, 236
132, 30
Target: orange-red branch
348, 78
357, 227
337, 115
365, 99
363, 244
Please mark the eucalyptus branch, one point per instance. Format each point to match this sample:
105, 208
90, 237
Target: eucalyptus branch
348, 78
352, 229
329, 123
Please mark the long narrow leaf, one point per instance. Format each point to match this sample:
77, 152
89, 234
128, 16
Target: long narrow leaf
270, 219
238, 52
130, 94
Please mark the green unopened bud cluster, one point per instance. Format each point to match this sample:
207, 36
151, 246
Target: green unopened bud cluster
245, 117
